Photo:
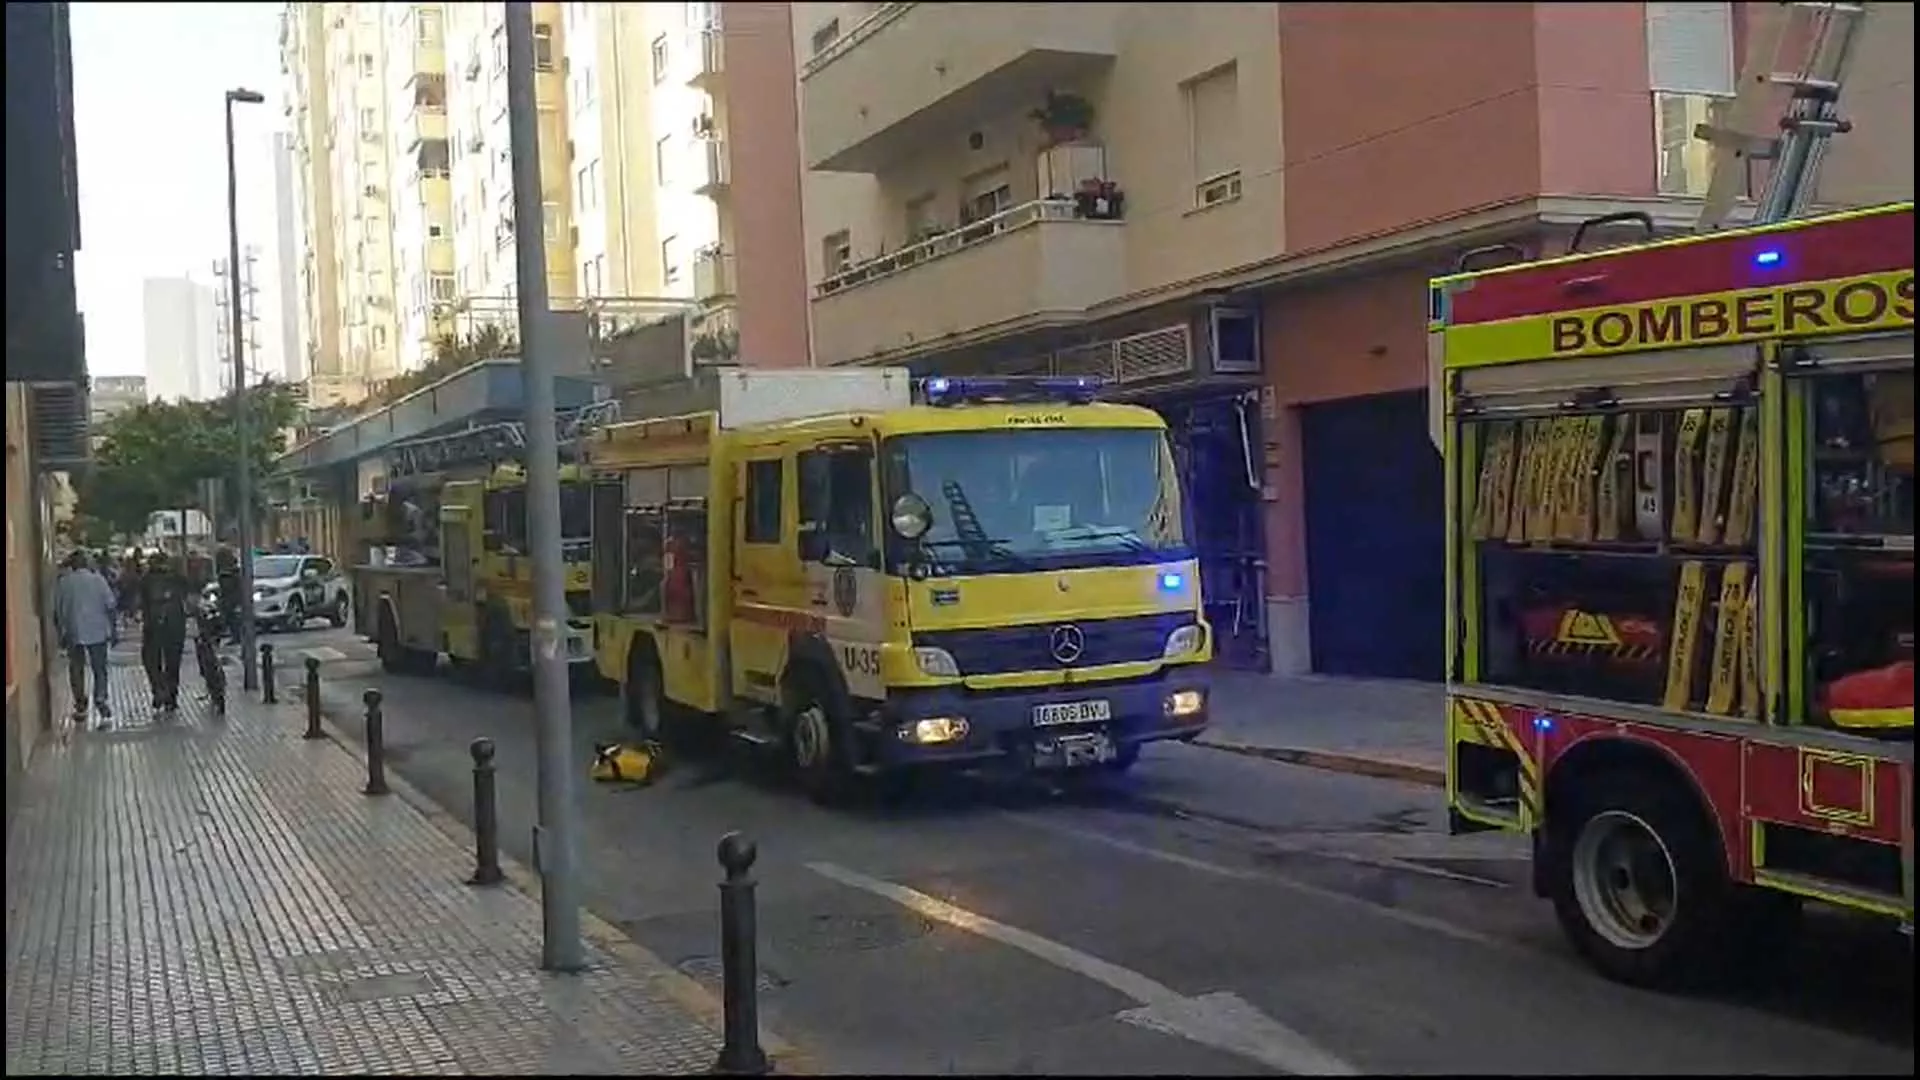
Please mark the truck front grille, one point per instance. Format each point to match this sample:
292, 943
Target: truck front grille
1001, 649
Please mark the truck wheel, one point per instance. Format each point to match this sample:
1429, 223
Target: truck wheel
643, 701
816, 742
1640, 885
393, 658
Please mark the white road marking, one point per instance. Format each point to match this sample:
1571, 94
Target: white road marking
1406, 918
1221, 1020
324, 653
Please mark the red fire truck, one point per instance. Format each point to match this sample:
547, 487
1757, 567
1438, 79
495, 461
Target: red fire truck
1680, 486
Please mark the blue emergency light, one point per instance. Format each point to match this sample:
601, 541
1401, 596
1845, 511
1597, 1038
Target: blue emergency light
1769, 258
941, 390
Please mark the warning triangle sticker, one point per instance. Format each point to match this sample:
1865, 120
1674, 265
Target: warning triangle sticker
1586, 628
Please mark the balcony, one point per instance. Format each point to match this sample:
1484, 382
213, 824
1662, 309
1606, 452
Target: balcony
910, 72
713, 278
1034, 265
705, 58
711, 174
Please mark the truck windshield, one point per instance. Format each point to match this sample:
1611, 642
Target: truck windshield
1041, 499
576, 511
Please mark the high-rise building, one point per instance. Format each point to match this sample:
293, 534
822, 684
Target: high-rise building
356, 50
286, 263
420, 184
303, 53
177, 316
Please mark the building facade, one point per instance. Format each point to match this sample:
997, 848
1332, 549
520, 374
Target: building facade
1227, 211
292, 367
111, 395
312, 141
420, 181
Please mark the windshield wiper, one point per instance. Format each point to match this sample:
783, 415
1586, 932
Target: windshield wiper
981, 549
1129, 539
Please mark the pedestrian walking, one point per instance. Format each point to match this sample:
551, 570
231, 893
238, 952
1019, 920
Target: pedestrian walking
83, 609
163, 617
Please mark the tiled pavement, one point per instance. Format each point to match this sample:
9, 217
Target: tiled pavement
215, 896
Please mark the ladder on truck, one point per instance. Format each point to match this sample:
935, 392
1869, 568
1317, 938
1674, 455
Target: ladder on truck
1825, 35
491, 444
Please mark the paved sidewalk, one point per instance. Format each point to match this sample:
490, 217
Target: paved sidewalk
215, 896
1375, 727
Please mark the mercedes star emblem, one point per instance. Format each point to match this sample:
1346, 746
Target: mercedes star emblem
1067, 643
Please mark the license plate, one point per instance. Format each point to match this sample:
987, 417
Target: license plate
1072, 712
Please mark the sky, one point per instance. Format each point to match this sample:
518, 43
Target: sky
148, 87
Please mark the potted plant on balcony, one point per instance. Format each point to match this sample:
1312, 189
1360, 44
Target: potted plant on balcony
717, 346
1064, 117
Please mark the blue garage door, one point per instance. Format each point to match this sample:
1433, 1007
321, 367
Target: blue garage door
1376, 554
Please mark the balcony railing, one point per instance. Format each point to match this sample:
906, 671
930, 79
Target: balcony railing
958, 239
858, 33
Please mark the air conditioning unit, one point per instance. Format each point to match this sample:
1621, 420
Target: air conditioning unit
704, 126
1220, 190
61, 425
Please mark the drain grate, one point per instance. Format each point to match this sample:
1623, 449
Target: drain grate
707, 969
381, 987
844, 932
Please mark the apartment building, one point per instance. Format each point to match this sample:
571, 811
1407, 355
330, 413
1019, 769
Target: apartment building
363, 229
1231, 210
303, 64
684, 152
180, 335
419, 185
481, 154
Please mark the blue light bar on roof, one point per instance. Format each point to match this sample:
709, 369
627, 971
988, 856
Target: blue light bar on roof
942, 390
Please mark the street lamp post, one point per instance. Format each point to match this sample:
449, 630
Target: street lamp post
249, 666
556, 840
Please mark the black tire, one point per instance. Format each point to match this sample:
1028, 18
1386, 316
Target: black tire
497, 662
393, 657
643, 697
817, 738
1663, 921
337, 614
296, 616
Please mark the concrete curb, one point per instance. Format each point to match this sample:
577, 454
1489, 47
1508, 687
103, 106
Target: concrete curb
1335, 761
786, 1058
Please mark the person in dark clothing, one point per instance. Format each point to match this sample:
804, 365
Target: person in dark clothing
226, 567
164, 597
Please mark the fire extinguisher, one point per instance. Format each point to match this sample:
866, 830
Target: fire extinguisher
676, 590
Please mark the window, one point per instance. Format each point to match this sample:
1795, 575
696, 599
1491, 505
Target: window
367, 119
441, 287
670, 260
920, 217
427, 27
660, 58
551, 222
663, 161
589, 277
825, 36
379, 337
703, 16
600, 271
586, 86
366, 65
435, 230
1690, 70
763, 502
836, 507
543, 47
985, 194
1213, 131
836, 252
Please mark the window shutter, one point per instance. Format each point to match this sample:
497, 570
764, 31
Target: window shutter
1215, 102
1690, 48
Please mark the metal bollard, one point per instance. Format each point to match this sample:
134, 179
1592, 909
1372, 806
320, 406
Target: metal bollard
486, 817
376, 745
740, 1053
268, 694
313, 700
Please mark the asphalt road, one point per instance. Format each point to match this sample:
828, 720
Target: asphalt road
1213, 915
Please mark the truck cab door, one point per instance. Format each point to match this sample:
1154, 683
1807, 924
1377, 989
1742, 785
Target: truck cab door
460, 526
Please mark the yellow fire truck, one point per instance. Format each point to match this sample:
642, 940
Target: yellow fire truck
448, 567
999, 575
1680, 486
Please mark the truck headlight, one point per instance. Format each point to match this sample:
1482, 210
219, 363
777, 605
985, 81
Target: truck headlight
936, 662
934, 730
1184, 641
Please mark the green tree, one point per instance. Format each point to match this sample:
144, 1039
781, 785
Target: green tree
152, 457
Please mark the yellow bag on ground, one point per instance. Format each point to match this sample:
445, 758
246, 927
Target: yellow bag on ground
622, 763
